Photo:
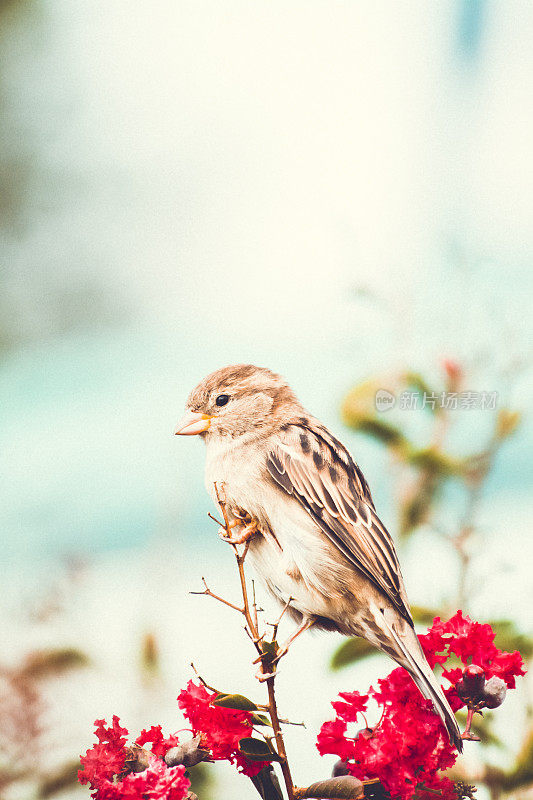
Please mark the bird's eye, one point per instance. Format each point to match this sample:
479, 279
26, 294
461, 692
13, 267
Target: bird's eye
222, 399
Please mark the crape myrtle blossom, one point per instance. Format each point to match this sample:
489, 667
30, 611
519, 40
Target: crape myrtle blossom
407, 750
113, 769
220, 728
408, 747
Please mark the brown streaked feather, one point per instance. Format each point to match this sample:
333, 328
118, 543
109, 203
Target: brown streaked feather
308, 463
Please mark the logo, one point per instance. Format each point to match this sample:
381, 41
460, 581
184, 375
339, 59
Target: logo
384, 400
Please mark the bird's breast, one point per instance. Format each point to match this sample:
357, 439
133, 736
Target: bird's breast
237, 469
292, 555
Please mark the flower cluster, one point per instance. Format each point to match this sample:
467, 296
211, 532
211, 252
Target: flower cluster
113, 770
472, 643
409, 747
220, 728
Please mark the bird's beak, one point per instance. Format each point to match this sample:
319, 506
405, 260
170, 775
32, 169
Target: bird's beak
191, 423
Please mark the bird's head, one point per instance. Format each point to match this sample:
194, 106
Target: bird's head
234, 401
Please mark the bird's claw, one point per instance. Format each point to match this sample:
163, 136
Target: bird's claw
282, 651
264, 676
246, 533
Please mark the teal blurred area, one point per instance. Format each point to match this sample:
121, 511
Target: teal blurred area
332, 190
328, 192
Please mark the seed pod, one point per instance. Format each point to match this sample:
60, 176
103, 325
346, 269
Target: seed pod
339, 768
137, 760
462, 690
494, 692
364, 733
189, 754
474, 678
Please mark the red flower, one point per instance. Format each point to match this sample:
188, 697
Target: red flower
157, 782
409, 746
106, 760
332, 739
473, 643
160, 745
220, 728
355, 703
434, 646
507, 666
453, 675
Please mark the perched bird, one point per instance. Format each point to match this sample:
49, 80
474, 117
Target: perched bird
316, 539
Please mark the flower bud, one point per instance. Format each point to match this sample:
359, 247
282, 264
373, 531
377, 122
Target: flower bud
494, 692
453, 370
188, 753
364, 733
339, 768
462, 690
137, 760
474, 678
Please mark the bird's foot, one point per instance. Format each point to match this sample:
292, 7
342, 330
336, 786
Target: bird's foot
282, 651
249, 530
264, 676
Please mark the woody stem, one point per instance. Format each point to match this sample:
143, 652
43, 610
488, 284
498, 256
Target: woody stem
273, 713
267, 665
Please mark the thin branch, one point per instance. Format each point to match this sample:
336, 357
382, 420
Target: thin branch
211, 688
289, 722
221, 499
218, 522
208, 593
275, 625
255, 606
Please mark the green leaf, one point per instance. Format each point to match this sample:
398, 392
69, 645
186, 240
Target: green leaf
435, 461
46, 663
378, 428
260, 719
350, 651
257, 750
507, 423
270, 648
416, 510
63, 778
414, 380
237, 701
267, 784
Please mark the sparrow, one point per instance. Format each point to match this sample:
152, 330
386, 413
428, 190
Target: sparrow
314, 535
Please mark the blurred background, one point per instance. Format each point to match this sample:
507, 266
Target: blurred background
340, 191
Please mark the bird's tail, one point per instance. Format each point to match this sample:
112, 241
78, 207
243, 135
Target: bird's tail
412, 658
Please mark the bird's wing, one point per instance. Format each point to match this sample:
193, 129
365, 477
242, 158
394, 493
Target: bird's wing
317, 470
